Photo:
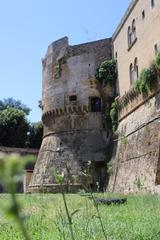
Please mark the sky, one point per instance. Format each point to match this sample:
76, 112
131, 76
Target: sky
27, 27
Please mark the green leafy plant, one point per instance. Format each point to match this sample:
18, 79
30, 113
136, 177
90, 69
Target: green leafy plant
13, 120
107, 72
110, 167
88, 189
157, 61
147, 79
11, 170
114, 117
58, 67
59, 178
137, 85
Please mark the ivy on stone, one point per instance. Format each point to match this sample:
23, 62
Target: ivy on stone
114, 117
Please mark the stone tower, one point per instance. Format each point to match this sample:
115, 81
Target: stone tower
72, 117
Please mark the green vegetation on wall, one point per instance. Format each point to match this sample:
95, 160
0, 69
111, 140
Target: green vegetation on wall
58, 67
157, 61
114, 117
148, 77
107, 72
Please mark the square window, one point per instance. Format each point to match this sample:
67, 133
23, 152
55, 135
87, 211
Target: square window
95, 104
72, 98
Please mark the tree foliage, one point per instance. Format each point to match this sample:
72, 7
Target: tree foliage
35, 135
13, 127
107, 72
157, 61
12, 103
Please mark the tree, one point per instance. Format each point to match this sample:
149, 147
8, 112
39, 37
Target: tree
35, 135
12, 103
13, 127
107, 72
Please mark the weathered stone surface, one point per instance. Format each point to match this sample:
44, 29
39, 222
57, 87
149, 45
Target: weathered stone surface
73, 134
137, 160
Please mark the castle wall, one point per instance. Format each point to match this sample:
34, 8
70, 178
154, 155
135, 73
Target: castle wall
73, 133
147, 35
136, 158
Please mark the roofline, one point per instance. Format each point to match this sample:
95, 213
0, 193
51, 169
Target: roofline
92, 41
124, 18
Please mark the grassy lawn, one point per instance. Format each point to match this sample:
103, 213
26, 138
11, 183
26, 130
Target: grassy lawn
139, 219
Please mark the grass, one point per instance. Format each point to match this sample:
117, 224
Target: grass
139, 219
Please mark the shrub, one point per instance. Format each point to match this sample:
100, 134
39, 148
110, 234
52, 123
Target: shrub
107, 72
157, 61
147, 79
137, 85
114, 116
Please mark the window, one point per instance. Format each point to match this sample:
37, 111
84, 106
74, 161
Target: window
72, 98
156, 49
133, 31
116, 55
129, 36
132, 34
143, 14
152, 3
133, 71
95, 104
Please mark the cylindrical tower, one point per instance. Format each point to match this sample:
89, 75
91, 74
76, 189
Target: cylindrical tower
72, 118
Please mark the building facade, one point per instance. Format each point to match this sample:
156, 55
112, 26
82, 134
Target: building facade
136, 41
136, 161
73, 130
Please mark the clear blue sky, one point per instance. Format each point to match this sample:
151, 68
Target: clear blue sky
27, 27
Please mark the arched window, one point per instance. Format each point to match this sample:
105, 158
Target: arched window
133, 30
129, 36
132, 33
152, 3
131, 72
135, 69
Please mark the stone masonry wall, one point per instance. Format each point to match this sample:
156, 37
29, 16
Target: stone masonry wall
136, 161
73, 134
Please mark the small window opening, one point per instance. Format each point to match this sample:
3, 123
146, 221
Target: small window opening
95, 104
152, 3
72, 98
156, 49
116, 55
143, 14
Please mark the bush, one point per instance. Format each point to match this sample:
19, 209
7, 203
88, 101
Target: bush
114, 117
137, 85
13, 127
35, 135
157, 61
147, 79
107, 72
